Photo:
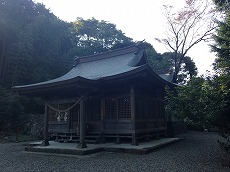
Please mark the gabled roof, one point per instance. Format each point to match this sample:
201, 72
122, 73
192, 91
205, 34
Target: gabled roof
103, 66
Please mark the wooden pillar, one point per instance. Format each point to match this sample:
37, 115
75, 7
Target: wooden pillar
82, 143
164, 112
157, 119
133, 116
45, 141
102, 120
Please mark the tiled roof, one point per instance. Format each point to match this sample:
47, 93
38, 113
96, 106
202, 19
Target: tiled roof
103, 65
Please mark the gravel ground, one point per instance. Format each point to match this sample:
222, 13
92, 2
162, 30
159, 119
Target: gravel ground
198, 152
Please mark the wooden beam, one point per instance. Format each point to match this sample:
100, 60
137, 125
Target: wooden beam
63, 101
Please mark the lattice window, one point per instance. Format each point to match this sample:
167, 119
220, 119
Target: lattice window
117, 108
124, 110
110, 108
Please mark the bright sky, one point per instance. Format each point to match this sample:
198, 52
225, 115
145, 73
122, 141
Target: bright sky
138, 19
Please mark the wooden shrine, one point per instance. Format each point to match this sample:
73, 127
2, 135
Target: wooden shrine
108, 97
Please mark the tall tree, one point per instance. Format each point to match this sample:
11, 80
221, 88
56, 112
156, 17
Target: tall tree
222, 41
94, 36
222, 68
187, 68
33, 47
33, 40
186, 28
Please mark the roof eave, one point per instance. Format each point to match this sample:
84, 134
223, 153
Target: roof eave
31, 88
165, 82
140, 69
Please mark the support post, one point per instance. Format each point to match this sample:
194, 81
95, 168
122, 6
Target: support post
45, 141
133, 116
165, 119
157, 119
82, 143
102, 120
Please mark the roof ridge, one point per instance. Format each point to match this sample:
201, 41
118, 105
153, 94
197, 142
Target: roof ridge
111, 53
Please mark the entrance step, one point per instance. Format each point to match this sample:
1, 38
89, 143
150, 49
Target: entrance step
73, 137
93, 138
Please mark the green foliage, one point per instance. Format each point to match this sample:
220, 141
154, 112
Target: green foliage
11, 111
186, 103
222, 5
154, 58
33, 40
166, 61
222, 69
93, 36
198, 103
187, 68
222, 46
15, 110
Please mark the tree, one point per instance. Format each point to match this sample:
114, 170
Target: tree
165, 62
33, 48
186, 28
222, 62
205, 101
93, 36
11, 111
222, 69
190, 103
33, 40
222, 46
187, 67
199, 103
154, 58
222, 5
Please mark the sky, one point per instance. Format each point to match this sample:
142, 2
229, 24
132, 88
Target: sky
138, 19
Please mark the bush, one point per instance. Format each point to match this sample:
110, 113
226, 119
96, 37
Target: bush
35, 125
